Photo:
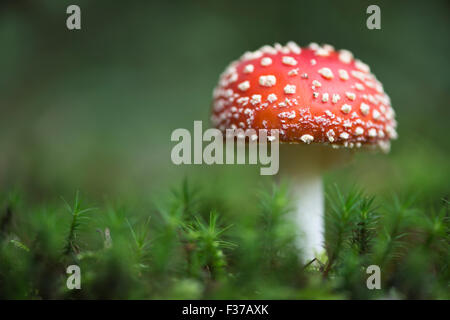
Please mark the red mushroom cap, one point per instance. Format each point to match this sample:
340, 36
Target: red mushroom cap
312, 95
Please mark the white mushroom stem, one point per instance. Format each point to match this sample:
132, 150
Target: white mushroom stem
303, 166
307, 190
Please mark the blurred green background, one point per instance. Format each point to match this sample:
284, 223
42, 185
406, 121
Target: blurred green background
94, 109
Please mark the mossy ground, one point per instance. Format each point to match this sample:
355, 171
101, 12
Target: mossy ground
188, 245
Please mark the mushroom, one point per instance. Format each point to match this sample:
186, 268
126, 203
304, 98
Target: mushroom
324, 103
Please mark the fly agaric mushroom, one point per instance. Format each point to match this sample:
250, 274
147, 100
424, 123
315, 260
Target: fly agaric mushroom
318, 98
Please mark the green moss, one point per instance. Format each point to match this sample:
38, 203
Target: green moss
183, 248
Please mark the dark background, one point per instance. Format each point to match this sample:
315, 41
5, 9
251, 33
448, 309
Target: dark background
94, 109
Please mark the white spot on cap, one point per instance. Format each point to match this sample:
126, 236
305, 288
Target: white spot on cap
347, 123
325, 97
391, 132
293, 72
266, 61
313, 46
256, 98
343, 74
379, 87
328, 47
344, 135
249, 68
267, 81
362, 66
268, 49
364, 108
376, 114
359, 131
370, 84
330, 135
282, 49
243, 86
358, 75
359, 86
242, 100
322, 52
372, 133
272, 97
345, 56
287, 114
294, 47
233, 77
390, 114
326, 73
346, 108
289, 61
335, 98
350, 95
316, 83
289, 89
251, 55
306, 138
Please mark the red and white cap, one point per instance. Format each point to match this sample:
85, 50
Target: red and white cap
312, 95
